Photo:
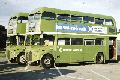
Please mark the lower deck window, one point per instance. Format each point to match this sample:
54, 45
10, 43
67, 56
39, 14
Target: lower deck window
64, 41
80, 41
76, 41
98, 41
89, 42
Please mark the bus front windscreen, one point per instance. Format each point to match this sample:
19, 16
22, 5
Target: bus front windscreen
37, 17
31, 18
12, 22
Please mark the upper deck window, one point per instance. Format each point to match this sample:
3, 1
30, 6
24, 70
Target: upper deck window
37, 16
31, 17
48, 15
108, 22
63, 17
76, 18
88, 19
14, 17
91, 20
99, 21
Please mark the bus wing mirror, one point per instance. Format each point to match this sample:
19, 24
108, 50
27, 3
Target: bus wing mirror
118, 31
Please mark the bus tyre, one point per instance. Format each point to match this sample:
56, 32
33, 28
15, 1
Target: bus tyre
100, 58
21, 59
47, 61
12, 60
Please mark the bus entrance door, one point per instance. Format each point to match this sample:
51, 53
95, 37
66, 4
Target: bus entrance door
112, 48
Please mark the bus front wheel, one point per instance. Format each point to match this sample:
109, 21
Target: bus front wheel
21, 59
100, 58
47, 61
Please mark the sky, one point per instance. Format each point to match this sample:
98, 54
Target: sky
9, 8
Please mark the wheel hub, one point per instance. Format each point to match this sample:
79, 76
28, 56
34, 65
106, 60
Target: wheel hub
22, 59
47, 61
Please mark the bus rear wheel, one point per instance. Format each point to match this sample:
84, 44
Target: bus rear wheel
47, 61
100, 58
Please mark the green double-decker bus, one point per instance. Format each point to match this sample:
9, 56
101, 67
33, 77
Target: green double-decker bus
63, 36
16, 32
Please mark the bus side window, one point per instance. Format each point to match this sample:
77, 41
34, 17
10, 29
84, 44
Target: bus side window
108, 22
64, 41
86, 19
76, 18
99, 21
48, 15
89, 42
63, 17
99, 42
76, 41
91, 20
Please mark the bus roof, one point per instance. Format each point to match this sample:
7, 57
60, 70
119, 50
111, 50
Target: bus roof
77, 13
20, 14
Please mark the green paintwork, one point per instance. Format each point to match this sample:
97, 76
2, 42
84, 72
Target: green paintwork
21, 28
14, 50
88, 53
